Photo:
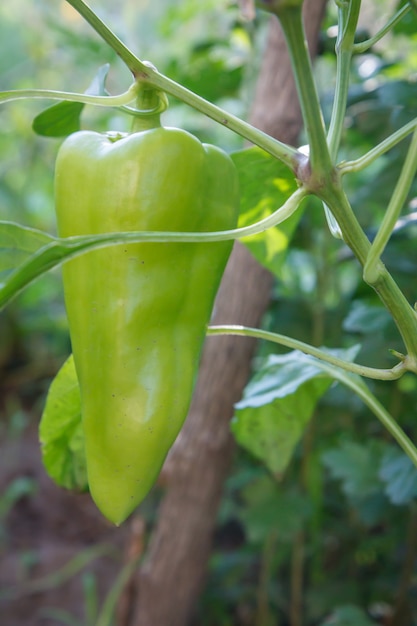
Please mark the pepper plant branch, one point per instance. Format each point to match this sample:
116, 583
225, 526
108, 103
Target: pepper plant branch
48, 94
390, 142
343, 371
287, 154
330, 193
291, 21
133, 63
360, 389
144, 72
348, 19
363, 46
61, 250
398, 198
362, 370
404, 316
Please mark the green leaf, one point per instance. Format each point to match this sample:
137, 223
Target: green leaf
63, 118
60, 431
278, 403
399, 475
348, 615
366, 318
356, 465
58, 120
265, 184
270, 509
408, 24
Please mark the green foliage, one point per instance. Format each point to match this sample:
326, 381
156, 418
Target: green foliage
348, 616
277, 405
358, 489
399, 476
347, 497
268, 508
60, 431
63, 118
265, 184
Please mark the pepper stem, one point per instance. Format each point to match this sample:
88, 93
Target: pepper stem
150, 103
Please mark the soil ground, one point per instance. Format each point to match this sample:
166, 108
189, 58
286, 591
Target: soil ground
45, 530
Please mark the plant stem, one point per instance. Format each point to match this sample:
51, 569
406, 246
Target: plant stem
363, 46
287, 154
292, 24
343, 372
133, 63
48, 94
321, 178
388, 291
151, 103
144, 72
398, 198
362, 370
387, 144
361, 390
57, 250
348, 18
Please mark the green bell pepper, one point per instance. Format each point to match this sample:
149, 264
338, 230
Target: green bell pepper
138, 312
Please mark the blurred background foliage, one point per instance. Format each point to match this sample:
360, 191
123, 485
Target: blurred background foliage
333, 541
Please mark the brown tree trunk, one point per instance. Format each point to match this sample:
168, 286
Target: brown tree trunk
172, 576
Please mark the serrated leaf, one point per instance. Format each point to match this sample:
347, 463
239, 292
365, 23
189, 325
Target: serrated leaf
265, 184
278, 403
60, 431
356, 465
268, 509
63, 118
400, 477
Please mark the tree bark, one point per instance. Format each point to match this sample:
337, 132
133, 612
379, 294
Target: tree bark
172, 576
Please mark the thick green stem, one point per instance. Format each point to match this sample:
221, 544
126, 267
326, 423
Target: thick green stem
288, 155
405, 317
133, 63
151, 103
292, 24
